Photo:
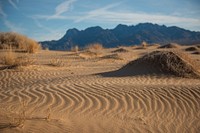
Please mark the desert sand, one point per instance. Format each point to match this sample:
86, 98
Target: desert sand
80, 96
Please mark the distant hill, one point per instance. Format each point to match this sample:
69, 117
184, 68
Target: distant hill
124, 35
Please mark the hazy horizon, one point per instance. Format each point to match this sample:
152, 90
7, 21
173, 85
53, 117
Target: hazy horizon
49, 20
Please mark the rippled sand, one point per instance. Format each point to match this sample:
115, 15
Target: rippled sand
76, 98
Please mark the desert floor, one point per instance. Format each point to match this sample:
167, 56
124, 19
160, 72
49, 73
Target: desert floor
78, 97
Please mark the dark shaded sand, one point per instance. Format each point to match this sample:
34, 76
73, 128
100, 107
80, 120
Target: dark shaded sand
120, 50
192, 49
170, 45
111, 56
196, 52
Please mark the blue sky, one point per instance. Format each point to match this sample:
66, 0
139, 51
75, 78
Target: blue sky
50, 19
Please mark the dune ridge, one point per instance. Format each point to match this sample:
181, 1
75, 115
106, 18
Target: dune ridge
160, 63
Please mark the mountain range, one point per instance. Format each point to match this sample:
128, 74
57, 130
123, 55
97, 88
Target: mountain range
124, 35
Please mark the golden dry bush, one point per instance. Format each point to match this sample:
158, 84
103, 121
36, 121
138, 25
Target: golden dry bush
75, 48
89, 54
144, 44
56, 62
32, 46
95, 47
18, 42
92, 51
12, 59
9, 57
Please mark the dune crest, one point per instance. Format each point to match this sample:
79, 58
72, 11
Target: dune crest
160, 62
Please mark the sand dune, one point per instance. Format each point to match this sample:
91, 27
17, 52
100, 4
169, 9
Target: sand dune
160, 63
76, 98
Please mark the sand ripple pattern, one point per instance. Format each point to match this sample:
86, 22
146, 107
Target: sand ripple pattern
139, 104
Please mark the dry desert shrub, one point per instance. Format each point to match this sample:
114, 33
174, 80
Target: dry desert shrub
18, 42
12, 60
32, 46
75, 49
56, 62
89, 54
46, 49
92, 51
95, 47
9, 58
144, 44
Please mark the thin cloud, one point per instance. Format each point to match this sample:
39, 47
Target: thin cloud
95, 13
59, 10
109, 16
129, 17
63, 7
8, 24
42, 26
13, 3
51, 34
48, 17
2, 13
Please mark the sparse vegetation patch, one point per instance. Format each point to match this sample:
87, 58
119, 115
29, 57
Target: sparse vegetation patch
12, 60
18, 42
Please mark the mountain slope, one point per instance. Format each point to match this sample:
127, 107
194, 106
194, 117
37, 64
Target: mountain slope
124, 35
